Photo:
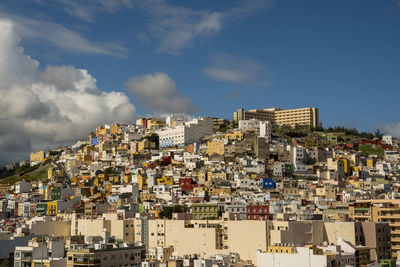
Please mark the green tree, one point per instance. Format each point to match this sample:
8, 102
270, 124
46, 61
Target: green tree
168, 211
154, 138
223, 127
108, 171
378, 134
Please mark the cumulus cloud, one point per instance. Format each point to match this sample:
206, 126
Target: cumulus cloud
39, 109
158, 92
237, 69
177, 27
61, 37
391, 128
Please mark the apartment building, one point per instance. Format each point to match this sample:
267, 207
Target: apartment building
380, 210
286, 255
209, 237
105, 255
289, 117
191, 132
205, 211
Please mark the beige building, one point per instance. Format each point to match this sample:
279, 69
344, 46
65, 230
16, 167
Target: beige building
37, 157
106, 256
211, 237
215, 148
296, 232
375, 236
289, 117
61, 229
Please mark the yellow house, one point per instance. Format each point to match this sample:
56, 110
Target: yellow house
346, 164
37, 157
166, 180
355, 183
127, 178
108, 188
234, 136
74, 180
51, 172
41, 263
370, 163
140, 181
87, 150
145, 145
52, 208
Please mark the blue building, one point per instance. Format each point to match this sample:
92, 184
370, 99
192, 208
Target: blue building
94, 141
268, 183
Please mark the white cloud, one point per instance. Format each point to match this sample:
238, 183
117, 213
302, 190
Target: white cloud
237, 69
86, 10
158, 93
39, 109
391, 128
176, 27
61, 37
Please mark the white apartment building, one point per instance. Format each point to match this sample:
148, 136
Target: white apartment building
387, 139
295, 256
265, 130
193, 131
299, 154
262, 128
249, 125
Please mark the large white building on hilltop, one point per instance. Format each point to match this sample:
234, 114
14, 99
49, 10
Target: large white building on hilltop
191, 132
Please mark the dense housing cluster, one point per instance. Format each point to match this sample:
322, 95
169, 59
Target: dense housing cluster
269, 188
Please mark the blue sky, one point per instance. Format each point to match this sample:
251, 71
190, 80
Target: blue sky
212, 57
341, 56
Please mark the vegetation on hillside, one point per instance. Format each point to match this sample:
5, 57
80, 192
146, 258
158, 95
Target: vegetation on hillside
28, 173
367, 149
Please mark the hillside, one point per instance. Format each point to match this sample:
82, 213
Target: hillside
27, 173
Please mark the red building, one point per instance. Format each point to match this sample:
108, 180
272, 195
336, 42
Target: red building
187, 184
257, 212
377, 142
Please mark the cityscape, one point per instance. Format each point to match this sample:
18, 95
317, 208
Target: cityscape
270, 187
167, 133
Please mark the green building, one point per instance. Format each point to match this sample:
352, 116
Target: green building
56, 193
388, 263
205, 211
41, 209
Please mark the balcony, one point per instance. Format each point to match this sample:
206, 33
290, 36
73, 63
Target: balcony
87, 262
389, 216
363, 215
395, 247
390, 209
